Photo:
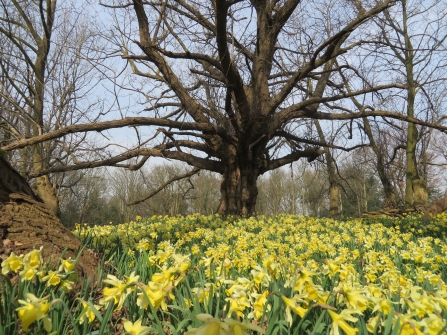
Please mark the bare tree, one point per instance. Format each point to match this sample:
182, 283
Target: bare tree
226, 85
45, 80
360, 185
410, 45
204, 197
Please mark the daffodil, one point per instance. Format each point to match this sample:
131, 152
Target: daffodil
117, 293
372, 323
135, 328
183, 262
143, 245
382, 305
53, 278
153, 293
355, 299
408, 326
331, 268
238, 328
433, 324
259, 304
88, 313
66, 285
67, 265
260, 276
165, 277
291, 304
339, 321
33, 258
303, 279
12, 263
28, 272
213, 326
34, 309
202, 293
238, 303
131, 280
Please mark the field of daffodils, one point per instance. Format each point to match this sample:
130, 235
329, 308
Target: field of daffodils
220, 276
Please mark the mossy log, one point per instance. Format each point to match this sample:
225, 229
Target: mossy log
390, 213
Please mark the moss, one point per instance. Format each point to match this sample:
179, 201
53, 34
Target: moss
74, 277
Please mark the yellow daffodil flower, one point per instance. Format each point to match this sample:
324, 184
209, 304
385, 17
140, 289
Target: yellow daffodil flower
238, 328
291, 304
407, 326
28, 272
382, 305
117, 293
12, 263
355, 299
88, 313
165, 277
183, 262
258, 305
34, 309
339, 321
238, 304
260, 276
67, 265
153, 293
131, 280
33, 258
53, 278
372, 323
213, 326
134, 328
433, 324
202, 293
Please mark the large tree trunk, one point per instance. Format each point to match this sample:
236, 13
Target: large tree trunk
238, 190
26, 223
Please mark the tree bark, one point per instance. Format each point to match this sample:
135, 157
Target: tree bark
416, 194
239, 190
332, 175
334, 195
43, 185
26, 224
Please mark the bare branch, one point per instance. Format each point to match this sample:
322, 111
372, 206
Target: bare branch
170, 181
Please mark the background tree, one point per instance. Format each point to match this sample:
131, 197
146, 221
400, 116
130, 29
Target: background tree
204, 197
166, 193
88, 197
45, 82
410, 45
361, 191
